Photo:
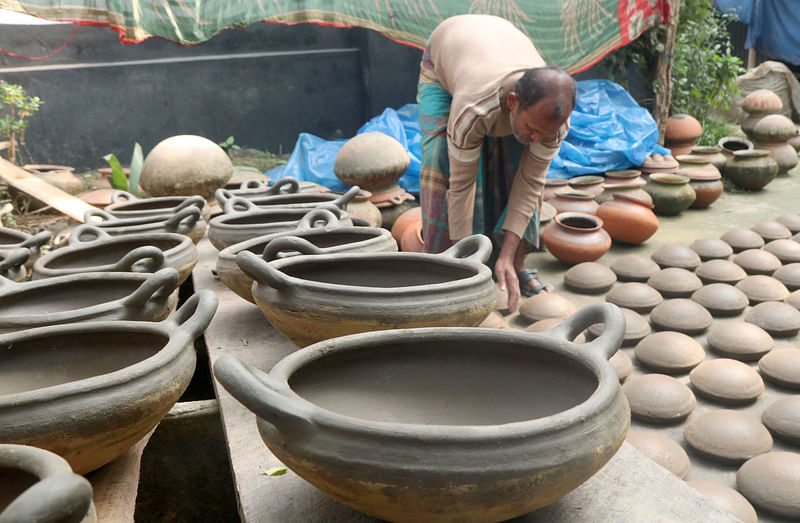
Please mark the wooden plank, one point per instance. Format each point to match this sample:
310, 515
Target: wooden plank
629, 488
56, 198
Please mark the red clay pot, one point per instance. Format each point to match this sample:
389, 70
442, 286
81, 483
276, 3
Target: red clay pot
627, 219
574, 237
571, 200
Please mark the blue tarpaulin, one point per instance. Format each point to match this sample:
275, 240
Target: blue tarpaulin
609, 130
772, 26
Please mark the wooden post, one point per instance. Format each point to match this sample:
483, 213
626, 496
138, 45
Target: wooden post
664, 70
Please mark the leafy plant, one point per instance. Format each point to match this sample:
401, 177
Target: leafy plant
714, 130
119, 180
228, 144
18, 108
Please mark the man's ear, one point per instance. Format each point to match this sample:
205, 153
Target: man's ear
512, 101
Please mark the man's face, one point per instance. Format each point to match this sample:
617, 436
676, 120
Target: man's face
532, 124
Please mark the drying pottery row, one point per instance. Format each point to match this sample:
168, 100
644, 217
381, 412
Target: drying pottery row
480, 448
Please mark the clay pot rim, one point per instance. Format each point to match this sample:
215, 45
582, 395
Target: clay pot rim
706, 149
737, 139
670, 178
556, 181
623, 173
47, 168
596, 403
751, 153
633, 199
692, 159
590, 179
575, 194
560, 217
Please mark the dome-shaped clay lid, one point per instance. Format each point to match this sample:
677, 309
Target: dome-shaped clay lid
773, 128
727, 381
674, 282
783, 418
636, 327
771, 230
762, 101
726, 498
793, 299
777, 318
741, 239
669, 352
711, 249
782, 367
697, 168
622, 174
720, 271
662, 450
682, 315
770, 481
589, 277
622, 364
673, 255
791, 221
760, 288
757, 261
789, 275
546, 305
371, 160
634, 267
658, 398
659, 163
727, 435
636, 296
739, 340
787, 251
721, 299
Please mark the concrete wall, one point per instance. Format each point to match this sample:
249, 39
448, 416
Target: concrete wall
263, 84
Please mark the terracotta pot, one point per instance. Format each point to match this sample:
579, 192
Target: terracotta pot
590, 184
412, 237
706, 192
313, 298
758, 104
296, 199
462, 452
389, 215
704, 177
188, 221
89, 391
12, 239
712, 153
13, 266
404, 220
87, 296
371, 160
751, 170
93, 250
681, 132
244, 220
360, 208
671, 193
551, 185
784, 155
574, 237
329, 238
125, 205
570, 200
627, 219
37, 485
730, 144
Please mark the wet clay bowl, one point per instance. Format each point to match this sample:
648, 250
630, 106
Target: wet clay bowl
310, 298
125, 205
89, 391
297, 199
87, 296
37, 485
329, 238
92, 250
437, 424
11, 240
187, 221
244, 220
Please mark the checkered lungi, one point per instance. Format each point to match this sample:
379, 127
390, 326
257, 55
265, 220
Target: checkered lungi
499, 161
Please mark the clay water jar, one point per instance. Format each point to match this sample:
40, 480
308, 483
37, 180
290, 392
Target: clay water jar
704, 178
244, 220
574, 237
13, 266
12, 239
311, 297
671, 193
91, 249
409, 217
37, 485
712, 153
448, 432
296, 199
571, 200
751, 169
125, 205
681, 132
730, 144
328, 237
627, 219
188, 221
89, 391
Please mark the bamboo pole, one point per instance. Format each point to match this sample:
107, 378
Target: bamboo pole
664, 70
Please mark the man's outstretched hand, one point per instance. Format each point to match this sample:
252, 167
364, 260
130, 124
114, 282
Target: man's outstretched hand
506, 271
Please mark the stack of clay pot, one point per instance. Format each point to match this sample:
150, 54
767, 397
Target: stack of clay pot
704, 177
375, 161
768, 129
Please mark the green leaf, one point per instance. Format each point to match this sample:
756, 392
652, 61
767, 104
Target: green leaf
118, 179
273, 471
136, 169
